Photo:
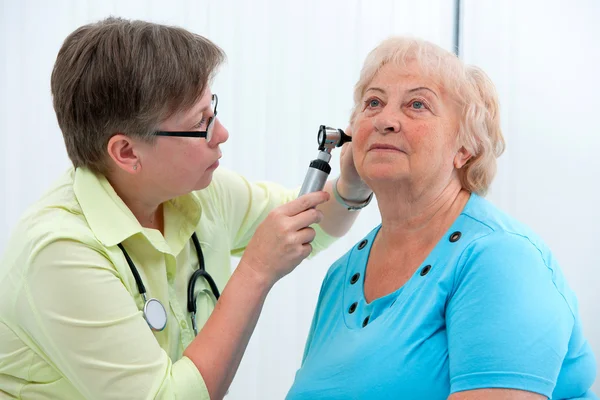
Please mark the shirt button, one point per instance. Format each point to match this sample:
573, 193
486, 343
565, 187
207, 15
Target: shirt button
354, 278
352, 308
455, 236
183, 325
425, 270
365, 322
362, 244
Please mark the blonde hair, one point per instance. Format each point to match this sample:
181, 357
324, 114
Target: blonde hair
479, 129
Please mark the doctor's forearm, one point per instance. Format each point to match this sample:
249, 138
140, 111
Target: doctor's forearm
337, 220
220, 344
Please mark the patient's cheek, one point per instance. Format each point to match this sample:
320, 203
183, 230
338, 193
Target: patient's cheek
360, 136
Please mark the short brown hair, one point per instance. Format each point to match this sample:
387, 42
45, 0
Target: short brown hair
122, 76
479, 130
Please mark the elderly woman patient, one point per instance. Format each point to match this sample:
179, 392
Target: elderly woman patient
449, 298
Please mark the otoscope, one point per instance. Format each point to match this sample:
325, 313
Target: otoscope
319, 168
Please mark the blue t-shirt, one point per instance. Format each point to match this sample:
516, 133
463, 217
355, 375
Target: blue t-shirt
488, 308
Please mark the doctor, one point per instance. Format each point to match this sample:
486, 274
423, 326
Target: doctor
107, 277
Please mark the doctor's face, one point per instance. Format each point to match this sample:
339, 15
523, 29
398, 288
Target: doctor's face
178, 165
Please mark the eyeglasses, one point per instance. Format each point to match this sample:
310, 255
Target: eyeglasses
210, 127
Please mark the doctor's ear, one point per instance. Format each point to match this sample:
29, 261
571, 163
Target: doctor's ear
122, 151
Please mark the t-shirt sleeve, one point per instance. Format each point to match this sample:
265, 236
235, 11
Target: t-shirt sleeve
508, 324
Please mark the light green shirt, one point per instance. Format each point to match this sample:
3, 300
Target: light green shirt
71, 324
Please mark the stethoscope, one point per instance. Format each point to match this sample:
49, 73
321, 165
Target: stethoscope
154, 312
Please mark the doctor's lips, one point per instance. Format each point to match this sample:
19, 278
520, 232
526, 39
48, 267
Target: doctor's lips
216, 163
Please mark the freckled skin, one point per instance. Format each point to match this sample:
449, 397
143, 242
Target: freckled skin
421, 123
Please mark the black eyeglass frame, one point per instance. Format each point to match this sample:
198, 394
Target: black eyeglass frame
207, 134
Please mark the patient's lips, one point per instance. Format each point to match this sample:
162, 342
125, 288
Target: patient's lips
385, 147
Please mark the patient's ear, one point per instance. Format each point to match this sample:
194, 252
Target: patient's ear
461, 157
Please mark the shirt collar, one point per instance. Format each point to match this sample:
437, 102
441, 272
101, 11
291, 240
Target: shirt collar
113, 222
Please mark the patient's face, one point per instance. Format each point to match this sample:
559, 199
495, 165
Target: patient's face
406, 130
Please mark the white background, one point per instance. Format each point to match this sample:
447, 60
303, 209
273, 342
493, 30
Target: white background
291, 67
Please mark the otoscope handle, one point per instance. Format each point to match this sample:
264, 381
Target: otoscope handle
314, 181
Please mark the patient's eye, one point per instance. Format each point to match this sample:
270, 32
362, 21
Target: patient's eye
372, 103
418, 105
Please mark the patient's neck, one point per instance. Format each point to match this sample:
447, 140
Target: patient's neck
418, 219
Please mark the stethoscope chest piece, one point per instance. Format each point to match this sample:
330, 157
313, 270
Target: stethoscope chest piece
155, 314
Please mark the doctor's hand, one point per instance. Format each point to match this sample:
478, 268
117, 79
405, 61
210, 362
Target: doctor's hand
283, 239
350, 185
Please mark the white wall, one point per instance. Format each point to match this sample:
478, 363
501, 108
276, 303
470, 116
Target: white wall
544, 57
291, 67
